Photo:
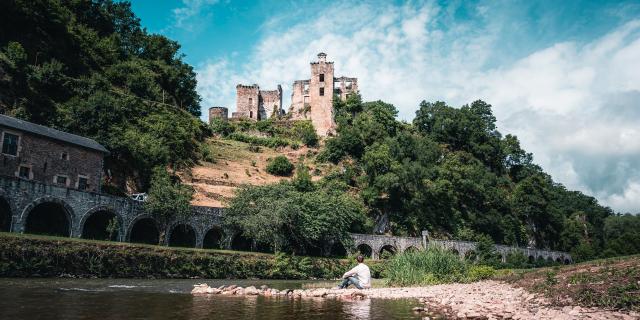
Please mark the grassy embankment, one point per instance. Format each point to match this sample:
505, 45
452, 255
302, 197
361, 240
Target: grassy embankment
612, 283
43, 256
607, 283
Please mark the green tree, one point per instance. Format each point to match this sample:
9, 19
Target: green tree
168, 199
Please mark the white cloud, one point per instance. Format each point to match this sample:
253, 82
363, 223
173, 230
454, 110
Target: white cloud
576, 106
186, 16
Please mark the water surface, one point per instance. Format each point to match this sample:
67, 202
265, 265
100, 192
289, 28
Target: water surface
170, 299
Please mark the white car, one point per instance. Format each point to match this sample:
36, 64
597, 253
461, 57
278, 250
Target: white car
141, 197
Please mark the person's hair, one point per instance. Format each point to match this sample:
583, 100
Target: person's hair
360, 259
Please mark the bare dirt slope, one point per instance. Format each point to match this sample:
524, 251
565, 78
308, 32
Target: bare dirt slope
238, 163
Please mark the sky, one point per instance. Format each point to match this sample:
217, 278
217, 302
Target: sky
563, 76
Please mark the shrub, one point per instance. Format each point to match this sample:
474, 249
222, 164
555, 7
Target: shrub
476, 273
280, 166
432, 266
270, 142
304, 131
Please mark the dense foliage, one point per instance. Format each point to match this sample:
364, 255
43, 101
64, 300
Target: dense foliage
271, 132
88, 67
296, 216
37, 256
453, 173
168, 199
279, 166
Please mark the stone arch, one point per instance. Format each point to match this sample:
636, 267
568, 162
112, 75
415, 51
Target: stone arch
454, 251
531, 259
365, 250
559, 260
470, 255
48, 215
411, 249
213, 238
241, 243
6, 215
182, 235
96, 223
144, 229
567, 261
387, 250
337, 250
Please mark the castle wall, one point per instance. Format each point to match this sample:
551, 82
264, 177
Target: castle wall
247, 102
270, 103
299, 97
346, 86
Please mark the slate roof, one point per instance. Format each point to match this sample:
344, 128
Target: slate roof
37, 129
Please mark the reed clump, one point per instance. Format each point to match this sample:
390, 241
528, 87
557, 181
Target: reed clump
433, 266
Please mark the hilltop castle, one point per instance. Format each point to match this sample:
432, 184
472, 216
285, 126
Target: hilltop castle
311, 99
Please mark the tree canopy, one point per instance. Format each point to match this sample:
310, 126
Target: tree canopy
89, 68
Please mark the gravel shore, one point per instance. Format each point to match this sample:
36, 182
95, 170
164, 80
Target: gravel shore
479, 300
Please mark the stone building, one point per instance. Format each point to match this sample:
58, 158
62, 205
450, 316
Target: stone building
312, 99
218, 113
42, 154
253, 103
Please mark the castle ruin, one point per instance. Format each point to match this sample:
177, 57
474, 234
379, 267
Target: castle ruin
253, 103
311, 99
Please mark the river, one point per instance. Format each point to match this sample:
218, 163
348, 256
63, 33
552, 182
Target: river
171, 299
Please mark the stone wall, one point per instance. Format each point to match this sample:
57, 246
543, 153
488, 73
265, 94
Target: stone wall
218, 113
47, 158
247, 101
270, 103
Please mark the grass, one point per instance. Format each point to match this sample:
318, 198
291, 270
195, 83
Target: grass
45, 256
612, 283
433, 266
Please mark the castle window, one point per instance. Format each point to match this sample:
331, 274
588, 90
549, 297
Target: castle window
83, 182
60, 179
322, 91
250, 101
24, 172
64, 156
322, 77
250, 114
10, 144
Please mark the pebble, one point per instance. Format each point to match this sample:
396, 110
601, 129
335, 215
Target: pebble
479, 300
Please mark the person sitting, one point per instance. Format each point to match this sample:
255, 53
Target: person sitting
359, 276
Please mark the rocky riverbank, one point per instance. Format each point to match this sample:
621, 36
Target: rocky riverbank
479, 300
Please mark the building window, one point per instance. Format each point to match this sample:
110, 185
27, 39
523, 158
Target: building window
321, 77
60, 180
24, 172
250, 101
64, 156
322, 91
83, 182
10, 144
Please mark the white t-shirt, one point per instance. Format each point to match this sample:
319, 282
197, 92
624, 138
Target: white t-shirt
361, 271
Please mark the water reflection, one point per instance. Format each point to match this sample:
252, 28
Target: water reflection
169, 299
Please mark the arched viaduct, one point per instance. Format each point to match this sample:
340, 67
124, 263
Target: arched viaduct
34, 207
376, 245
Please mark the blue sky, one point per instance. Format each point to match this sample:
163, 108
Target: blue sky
564, 76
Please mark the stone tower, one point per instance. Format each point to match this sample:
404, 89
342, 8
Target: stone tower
312, 99
219, 113
321, 95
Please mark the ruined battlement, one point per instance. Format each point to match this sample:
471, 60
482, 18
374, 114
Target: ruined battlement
253, 103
